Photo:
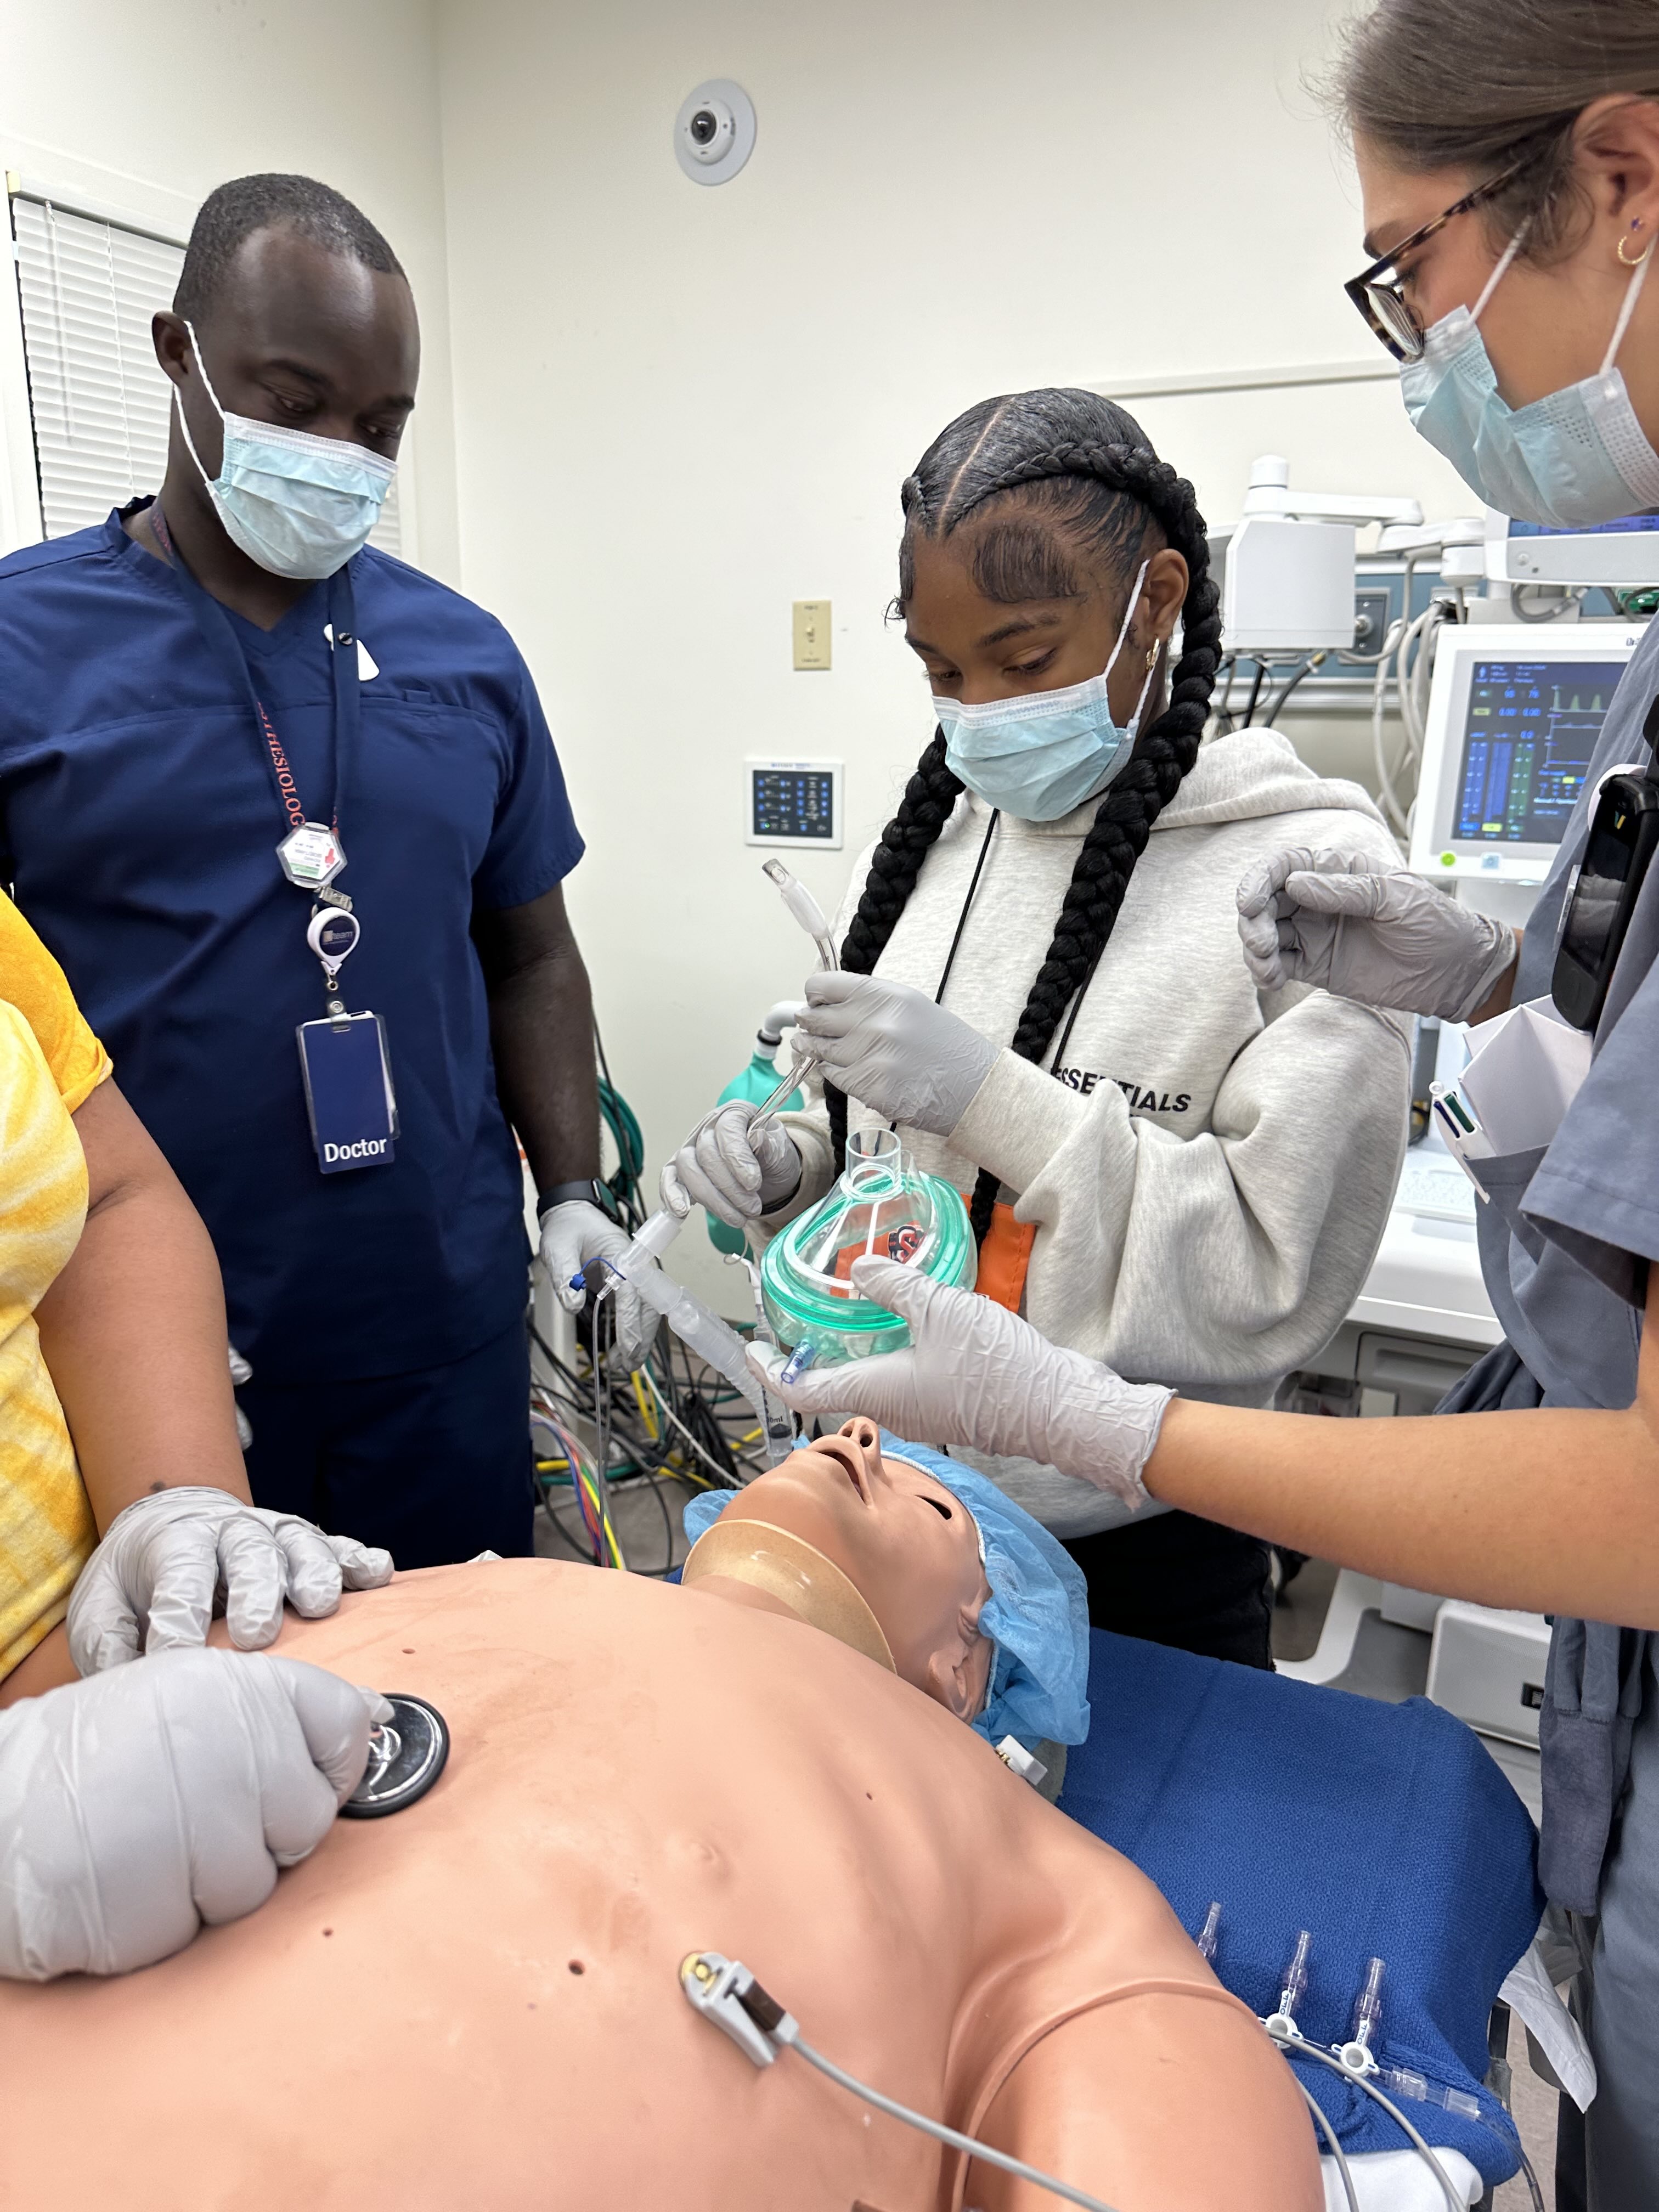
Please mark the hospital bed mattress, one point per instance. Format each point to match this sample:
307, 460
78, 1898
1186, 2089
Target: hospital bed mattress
1386, 1830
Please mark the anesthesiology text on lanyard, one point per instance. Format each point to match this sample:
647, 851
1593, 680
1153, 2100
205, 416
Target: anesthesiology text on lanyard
342, 1058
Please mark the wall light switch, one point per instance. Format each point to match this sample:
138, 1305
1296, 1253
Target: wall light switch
811, 633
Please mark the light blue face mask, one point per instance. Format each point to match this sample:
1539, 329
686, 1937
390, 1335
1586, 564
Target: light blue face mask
1039, 755
1573, 458
299, 505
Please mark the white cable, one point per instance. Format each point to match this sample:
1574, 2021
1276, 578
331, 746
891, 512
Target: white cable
1302, 2049
1337, 2151
1413, 648
1379, 701
722, 1476
942, 2134
1435, 617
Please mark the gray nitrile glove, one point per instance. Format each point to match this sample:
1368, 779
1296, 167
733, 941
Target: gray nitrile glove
977, 1374
573, 1233
171, 1559
734, 1170
1380, 935
894, 1050
135, 1806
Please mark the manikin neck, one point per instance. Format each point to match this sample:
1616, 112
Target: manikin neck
795, 1573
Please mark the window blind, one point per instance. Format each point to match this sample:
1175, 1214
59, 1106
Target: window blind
99, 401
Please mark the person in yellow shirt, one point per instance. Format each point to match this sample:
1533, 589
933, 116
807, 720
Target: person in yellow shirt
115, 1394
136, 1803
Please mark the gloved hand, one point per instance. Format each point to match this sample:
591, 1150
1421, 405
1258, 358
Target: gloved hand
173, 1559
135, 1806
894, 1050
573, 1233
735, 1174
1380, 935
977, 1374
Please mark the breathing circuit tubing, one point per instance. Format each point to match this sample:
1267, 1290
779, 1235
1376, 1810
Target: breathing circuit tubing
704, 1331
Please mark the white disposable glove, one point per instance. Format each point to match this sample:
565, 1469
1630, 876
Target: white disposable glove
1380, 935
978, 1375
574, 1232
736, 1172
135, 1806
894, 1050
173, 1559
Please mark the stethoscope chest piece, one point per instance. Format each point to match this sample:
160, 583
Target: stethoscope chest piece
406, 1756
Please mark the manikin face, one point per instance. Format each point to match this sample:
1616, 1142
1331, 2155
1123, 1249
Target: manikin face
906, 1544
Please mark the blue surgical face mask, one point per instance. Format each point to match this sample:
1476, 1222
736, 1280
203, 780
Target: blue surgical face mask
299, 505
1571, 459
1039, 755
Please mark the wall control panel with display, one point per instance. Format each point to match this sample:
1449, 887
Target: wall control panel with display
1513, 721
793, 803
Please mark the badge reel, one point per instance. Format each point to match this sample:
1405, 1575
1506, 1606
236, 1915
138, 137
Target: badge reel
348, 1075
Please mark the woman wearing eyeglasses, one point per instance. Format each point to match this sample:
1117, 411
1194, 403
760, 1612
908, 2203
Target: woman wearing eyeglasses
1508, 153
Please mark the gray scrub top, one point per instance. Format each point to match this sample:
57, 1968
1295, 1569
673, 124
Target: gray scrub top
1565, 1240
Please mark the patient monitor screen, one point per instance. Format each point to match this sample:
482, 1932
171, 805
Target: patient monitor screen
1531, 727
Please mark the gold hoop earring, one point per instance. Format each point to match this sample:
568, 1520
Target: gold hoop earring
1151, 658
1646, 254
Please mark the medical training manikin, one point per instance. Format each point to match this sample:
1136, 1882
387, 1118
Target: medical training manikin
478, 2001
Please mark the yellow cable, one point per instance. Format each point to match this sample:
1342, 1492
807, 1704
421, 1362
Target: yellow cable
652, 1426
604, 1520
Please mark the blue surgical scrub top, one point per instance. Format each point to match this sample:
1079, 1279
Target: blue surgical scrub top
138, 824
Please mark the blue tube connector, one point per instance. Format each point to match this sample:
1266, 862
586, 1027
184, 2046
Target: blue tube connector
798, 1362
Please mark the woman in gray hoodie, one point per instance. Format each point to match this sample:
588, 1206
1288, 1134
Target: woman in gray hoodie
1042, 981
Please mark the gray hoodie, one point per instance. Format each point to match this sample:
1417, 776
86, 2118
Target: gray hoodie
1211, 1173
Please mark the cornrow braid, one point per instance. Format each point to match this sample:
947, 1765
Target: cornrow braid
1007, 447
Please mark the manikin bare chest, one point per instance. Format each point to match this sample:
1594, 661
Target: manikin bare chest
476, 2002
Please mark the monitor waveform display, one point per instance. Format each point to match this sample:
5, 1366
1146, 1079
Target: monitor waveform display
1530, 730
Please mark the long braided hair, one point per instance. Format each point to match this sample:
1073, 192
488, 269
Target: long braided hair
1071, 472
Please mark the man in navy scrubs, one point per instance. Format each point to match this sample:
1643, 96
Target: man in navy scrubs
229, 669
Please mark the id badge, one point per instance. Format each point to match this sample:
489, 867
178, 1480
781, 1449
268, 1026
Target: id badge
349, 1093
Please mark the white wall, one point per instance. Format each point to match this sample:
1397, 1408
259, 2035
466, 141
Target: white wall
141, 110
679, 408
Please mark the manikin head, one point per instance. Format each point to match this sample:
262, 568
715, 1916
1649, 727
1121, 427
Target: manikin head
909, 1547
918, 1562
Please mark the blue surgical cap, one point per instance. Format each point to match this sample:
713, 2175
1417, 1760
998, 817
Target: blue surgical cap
1036, 1615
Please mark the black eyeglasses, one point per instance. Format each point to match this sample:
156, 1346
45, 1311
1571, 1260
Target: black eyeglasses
1376, 291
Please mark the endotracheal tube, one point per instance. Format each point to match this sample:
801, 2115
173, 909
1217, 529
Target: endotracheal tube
810, 915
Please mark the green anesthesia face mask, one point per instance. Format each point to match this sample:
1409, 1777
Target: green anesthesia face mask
884, 1207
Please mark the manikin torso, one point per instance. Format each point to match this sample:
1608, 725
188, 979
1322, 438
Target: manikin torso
475, 2003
